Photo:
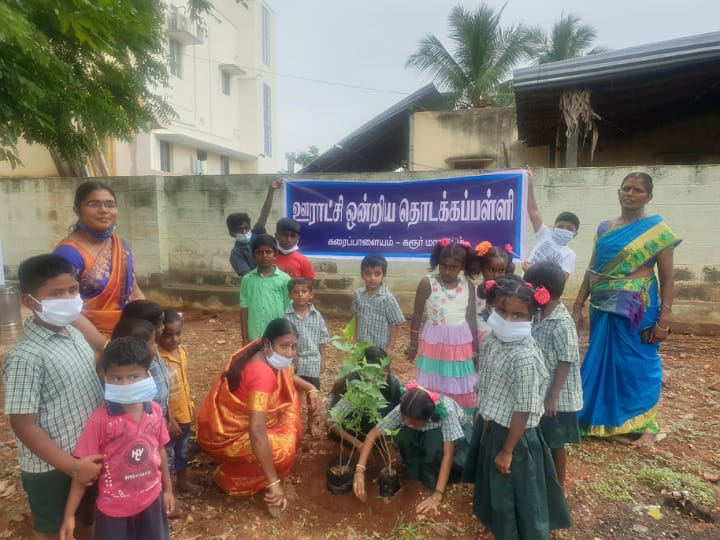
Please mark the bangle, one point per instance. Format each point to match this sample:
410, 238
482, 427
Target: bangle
412, 347
579, 303
667, 306
360, 468
414, 331
275, 483
440, 491
313, 390
661, 328
73, 470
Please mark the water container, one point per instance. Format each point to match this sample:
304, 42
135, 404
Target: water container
9, 307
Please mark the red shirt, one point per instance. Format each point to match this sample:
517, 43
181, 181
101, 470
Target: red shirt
295, 265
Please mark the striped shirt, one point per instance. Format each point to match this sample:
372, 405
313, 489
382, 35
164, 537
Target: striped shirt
451, 426
312, 332
51, 375
557, 338
375, 314
512, 378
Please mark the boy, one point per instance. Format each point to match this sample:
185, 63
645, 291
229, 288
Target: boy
179, 401
551, 246
134, 489
263, 292
239, 228
312, 337
556, 335
51, 388
289, 259
377, 312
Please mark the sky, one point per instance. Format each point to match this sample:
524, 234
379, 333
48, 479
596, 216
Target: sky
339, 62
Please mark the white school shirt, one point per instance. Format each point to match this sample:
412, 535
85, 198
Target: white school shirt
546, 249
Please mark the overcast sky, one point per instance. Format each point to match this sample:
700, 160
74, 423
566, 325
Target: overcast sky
365, 43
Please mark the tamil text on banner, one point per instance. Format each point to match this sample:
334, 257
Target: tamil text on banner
405, 219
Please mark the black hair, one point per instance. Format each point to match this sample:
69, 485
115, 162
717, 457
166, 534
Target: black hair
417, 404
130, 326
646, 178
300, 280
570, 218
373, 355
548, 274
144, 309
171, 316
262, 240
126, 351
495, 252
372, 260
235, 220
462, 254
35, 272
287, 224
510, 285
86, 188
274, 330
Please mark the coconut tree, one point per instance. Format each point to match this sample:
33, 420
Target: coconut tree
567, 39
477, 72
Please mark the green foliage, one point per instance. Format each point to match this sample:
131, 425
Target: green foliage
75, 72
567, 39
665, 479
308, 156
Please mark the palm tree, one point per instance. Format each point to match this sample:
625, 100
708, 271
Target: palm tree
568, 39
477, 73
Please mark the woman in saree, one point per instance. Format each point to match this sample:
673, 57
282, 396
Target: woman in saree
629, 318
250, 421
103, 262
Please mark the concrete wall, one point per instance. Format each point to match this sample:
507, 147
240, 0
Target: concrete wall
176, 227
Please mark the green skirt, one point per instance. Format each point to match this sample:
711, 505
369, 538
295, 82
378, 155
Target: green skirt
524, 505
560, 430
422, 453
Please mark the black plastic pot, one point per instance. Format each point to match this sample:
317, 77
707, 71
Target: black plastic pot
339, 477
389, 483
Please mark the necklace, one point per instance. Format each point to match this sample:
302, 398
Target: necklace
453, 291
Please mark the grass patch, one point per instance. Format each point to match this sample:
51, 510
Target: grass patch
662, 478
618, 487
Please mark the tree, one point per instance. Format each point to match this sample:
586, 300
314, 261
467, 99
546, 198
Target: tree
568, 39
307, 157
75, 72
478, 71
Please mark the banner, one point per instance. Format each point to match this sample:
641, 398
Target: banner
405, 219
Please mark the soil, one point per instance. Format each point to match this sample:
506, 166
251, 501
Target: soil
608, 496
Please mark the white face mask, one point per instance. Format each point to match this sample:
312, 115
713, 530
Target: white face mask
287, 251
508, 331
59, 311
278, 361
243, 238
562, 236
137, 392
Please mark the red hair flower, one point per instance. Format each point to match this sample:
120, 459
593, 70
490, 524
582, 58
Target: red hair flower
509, 249
482, 248
465, 244
542, 296
444, 242
489, 284
434, 396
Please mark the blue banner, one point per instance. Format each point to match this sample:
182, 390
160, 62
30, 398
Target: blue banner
405, 219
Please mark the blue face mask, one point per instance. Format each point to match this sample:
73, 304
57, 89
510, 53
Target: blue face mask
243, 238
562, 236
278, 361
137, 392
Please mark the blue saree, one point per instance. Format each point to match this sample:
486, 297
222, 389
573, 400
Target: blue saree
622, 375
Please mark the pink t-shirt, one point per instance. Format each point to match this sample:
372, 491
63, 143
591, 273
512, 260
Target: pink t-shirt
131, 478
295, 265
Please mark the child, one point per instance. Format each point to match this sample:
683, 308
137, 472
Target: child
289, 259
152, 312
524, 501
557, 338
134, 489
263, 292
377, 312
491, 262
239, 228
51, 388
139, 328
433, 442
180, 403
551, 246
445, 348
312, 338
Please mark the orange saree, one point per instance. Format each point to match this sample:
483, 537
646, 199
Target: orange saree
224, 425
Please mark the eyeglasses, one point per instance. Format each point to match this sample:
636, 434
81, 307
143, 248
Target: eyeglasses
96, 205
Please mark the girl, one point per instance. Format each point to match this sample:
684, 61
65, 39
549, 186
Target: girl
432, 440
445, 349
517, 495
491, 262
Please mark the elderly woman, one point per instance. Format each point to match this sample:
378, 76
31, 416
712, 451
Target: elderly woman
102, 260
250, 421
629, 318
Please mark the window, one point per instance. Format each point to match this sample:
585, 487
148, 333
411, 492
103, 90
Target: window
225, 83
175, 58
267, 121
266, 36
165, 154
202, 155
224, 165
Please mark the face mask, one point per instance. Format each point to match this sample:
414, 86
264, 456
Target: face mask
508, 331
562, 236
243, 238
277, 361
287, 251
137, 392
59, 311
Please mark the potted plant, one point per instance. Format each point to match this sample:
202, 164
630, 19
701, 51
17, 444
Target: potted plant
388, 479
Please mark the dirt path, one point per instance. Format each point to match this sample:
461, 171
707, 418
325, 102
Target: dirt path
614, 492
